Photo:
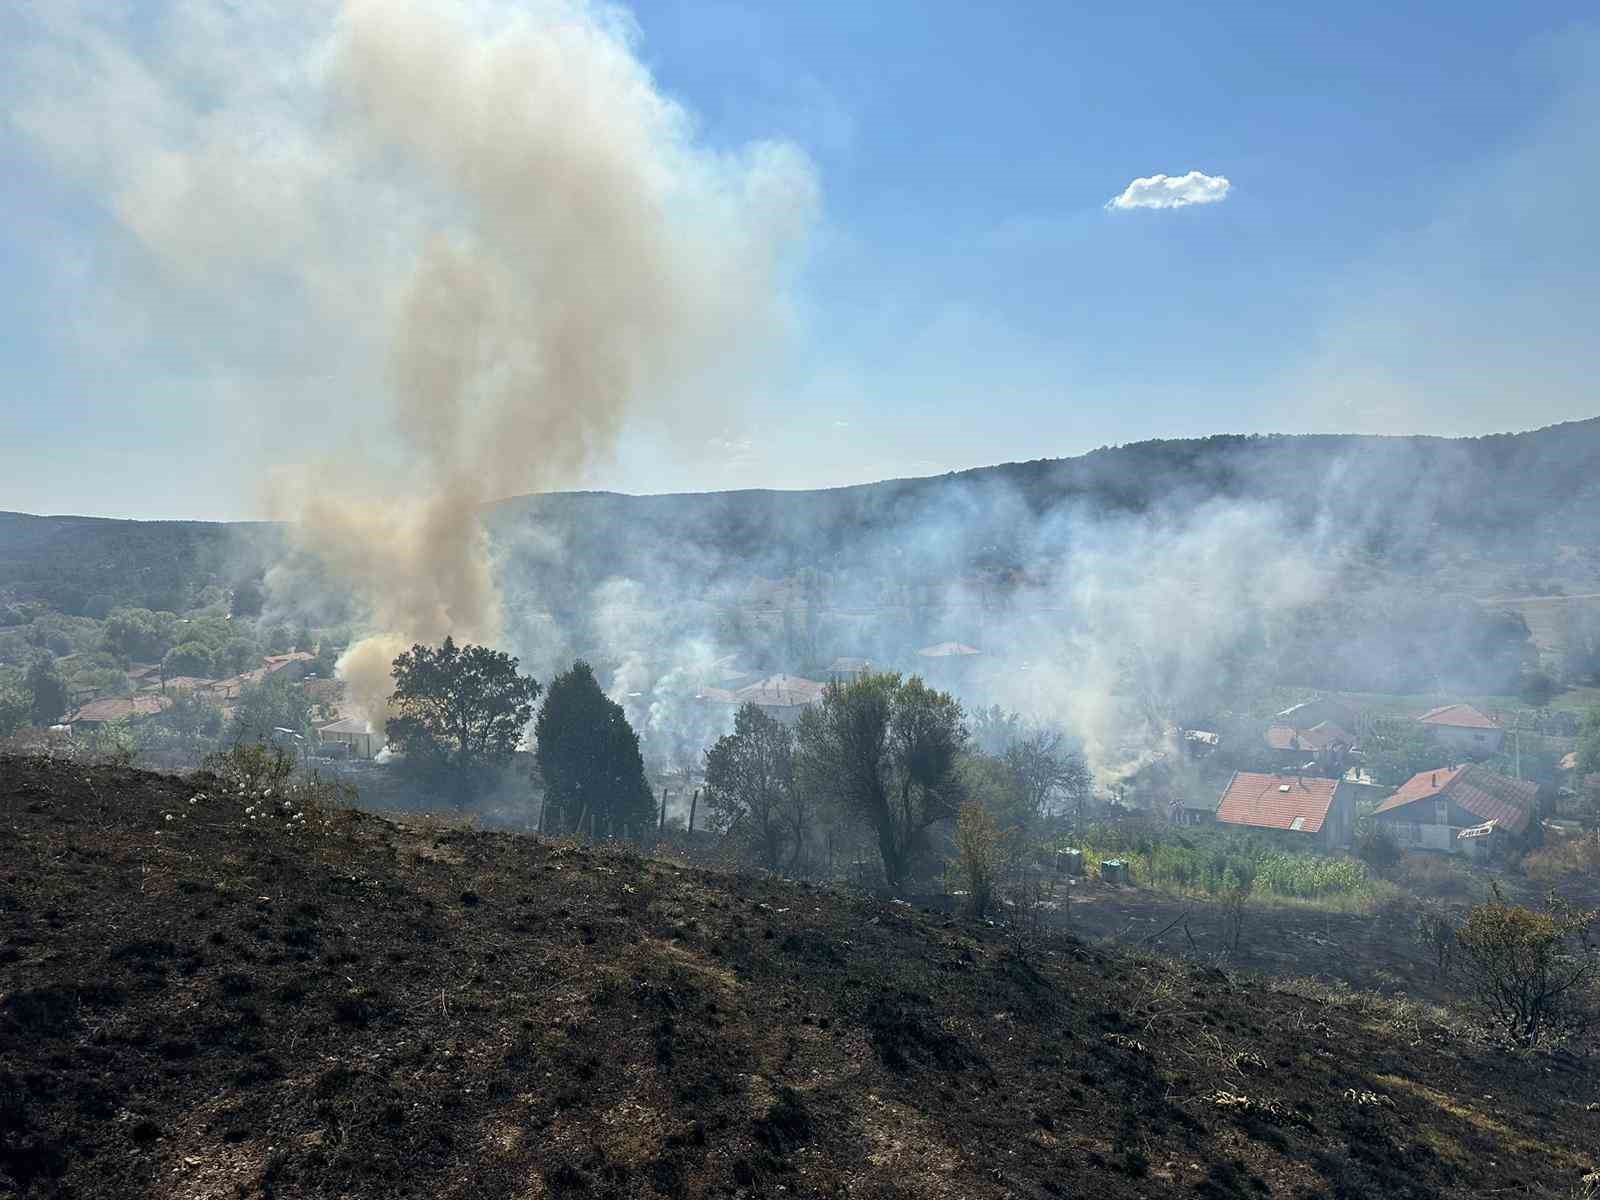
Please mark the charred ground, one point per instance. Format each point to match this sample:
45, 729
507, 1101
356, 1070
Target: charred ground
208, 1006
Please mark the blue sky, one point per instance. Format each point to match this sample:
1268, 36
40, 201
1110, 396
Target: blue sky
1406, 245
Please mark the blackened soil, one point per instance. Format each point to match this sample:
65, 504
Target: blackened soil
209, 1007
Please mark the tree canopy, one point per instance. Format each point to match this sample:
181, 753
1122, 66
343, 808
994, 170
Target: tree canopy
886, 749
589, 758
190, 658
751, 792
458, 713
274, 703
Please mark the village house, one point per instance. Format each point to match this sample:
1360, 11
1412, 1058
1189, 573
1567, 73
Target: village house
948, 664
97, 713
783, 697
1190, 808
1322, 810
1460, 727
354, 733
1324, 746
848, 670
944, 650
1432, 809
290, 666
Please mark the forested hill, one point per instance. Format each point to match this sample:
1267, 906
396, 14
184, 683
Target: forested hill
1529, 500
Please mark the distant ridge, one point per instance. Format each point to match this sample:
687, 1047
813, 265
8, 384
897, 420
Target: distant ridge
1534, 496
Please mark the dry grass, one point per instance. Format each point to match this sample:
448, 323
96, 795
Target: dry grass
1560, 861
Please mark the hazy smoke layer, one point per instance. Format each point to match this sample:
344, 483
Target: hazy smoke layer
487, 214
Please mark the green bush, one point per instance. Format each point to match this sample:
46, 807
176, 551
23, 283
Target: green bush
1529, 970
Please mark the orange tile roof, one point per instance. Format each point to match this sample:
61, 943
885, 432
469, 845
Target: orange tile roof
1459, 716
117, 708
1262, 801
1487, 795
1318, 737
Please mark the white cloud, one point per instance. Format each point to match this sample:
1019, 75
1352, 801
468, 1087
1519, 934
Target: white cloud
1172, 191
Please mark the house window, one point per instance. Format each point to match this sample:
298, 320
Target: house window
1441, 812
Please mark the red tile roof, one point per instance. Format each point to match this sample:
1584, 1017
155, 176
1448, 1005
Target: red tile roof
1318, 737
118, 708
1284, 737
1277, 801
1460, 716
1487, 795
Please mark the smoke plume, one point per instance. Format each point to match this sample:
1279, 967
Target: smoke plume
487, 216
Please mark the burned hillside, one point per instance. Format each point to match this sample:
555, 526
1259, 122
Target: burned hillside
208, 998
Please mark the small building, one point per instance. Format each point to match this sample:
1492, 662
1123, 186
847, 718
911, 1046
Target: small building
355, 733
1432, 807
949, 650
1463, 728
296, 662
116, 708
783, 697
1321, 809
1192, 809
1324, 746
848, 670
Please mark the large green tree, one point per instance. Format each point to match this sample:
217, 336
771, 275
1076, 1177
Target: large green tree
751, 793
139, 633
589, 759
458, 713
274, 703
886, 750
1397, 748
189, 658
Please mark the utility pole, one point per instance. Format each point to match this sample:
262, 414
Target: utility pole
694, 803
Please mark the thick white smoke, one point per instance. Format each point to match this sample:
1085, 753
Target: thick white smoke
485, 215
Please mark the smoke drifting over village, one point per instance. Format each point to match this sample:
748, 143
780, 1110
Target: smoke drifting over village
484, 245
489, 217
